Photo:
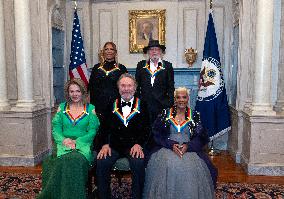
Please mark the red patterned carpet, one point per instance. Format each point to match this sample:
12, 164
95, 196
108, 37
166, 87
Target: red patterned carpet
27, 186
17, 185
249, 191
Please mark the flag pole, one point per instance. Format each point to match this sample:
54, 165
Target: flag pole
213, 151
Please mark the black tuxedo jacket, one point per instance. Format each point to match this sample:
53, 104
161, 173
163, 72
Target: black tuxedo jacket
161, 94
120, 137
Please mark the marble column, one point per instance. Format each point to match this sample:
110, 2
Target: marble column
4, 105
261, 99
23, 54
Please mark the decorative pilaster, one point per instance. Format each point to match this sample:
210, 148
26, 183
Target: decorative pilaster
23, 54
261, 104
279, 106
4, 105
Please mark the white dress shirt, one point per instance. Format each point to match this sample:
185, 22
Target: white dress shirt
153, 68
127, 109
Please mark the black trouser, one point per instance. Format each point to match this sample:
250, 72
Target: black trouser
103, 170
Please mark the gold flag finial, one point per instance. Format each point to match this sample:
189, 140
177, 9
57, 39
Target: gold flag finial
211, 3
75, 2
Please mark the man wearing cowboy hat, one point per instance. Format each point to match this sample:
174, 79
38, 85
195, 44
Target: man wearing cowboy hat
155, 79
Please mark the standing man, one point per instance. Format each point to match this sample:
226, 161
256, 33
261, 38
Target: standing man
125, 132
155, 79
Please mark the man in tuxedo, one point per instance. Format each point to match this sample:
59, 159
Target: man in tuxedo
155, 79
125, 132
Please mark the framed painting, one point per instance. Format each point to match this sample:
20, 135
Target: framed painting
145, 25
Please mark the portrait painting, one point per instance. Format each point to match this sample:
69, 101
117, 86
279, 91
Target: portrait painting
145, 25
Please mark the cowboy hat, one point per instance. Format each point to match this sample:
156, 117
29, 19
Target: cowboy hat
154, 43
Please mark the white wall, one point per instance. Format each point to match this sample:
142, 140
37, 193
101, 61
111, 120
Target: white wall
110, 22
185, 27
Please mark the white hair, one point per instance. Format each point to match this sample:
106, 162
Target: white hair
182, 89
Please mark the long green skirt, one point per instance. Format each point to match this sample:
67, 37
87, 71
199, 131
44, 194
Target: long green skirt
64, 177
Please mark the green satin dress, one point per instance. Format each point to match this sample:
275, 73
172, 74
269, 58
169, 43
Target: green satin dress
65, 172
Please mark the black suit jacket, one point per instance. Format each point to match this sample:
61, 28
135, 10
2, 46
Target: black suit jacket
161, 94
120, 137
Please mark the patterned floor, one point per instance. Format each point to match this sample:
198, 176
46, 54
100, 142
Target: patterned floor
249, 191
27, 186
19, 186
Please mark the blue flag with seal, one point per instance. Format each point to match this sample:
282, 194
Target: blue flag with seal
212, 99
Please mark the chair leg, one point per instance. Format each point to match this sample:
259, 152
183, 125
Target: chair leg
90, 184
91, 181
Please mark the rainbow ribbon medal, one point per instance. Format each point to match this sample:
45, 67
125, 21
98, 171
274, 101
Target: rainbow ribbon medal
126, 120
153, 74
73, 120
179, 127
107, 72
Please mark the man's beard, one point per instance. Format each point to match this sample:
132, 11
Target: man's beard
127, 96
156, 58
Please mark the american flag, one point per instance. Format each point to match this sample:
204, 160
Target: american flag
78, 65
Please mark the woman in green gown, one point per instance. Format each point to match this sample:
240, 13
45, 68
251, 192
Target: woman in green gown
74, 127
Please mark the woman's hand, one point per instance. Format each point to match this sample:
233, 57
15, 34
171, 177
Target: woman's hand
184, 148
106, 150
180, 149
69, 143
136, 151
177, 150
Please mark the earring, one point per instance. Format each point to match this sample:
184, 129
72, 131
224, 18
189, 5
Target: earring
175, 111
186, 113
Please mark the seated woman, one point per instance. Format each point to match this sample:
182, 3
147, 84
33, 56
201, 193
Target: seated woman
178, 168
73, 128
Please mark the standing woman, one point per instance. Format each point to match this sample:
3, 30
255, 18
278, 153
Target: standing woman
102, 84
179, 168
74, 127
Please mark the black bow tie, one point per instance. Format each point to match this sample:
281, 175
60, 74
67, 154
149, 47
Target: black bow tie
125, 104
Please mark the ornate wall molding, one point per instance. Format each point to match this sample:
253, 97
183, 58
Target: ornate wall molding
57, 19
236, 12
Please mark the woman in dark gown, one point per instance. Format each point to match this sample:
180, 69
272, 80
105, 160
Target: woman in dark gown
102, 84
178, 167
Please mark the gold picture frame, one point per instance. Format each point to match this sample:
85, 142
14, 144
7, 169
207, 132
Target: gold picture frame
145, 25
